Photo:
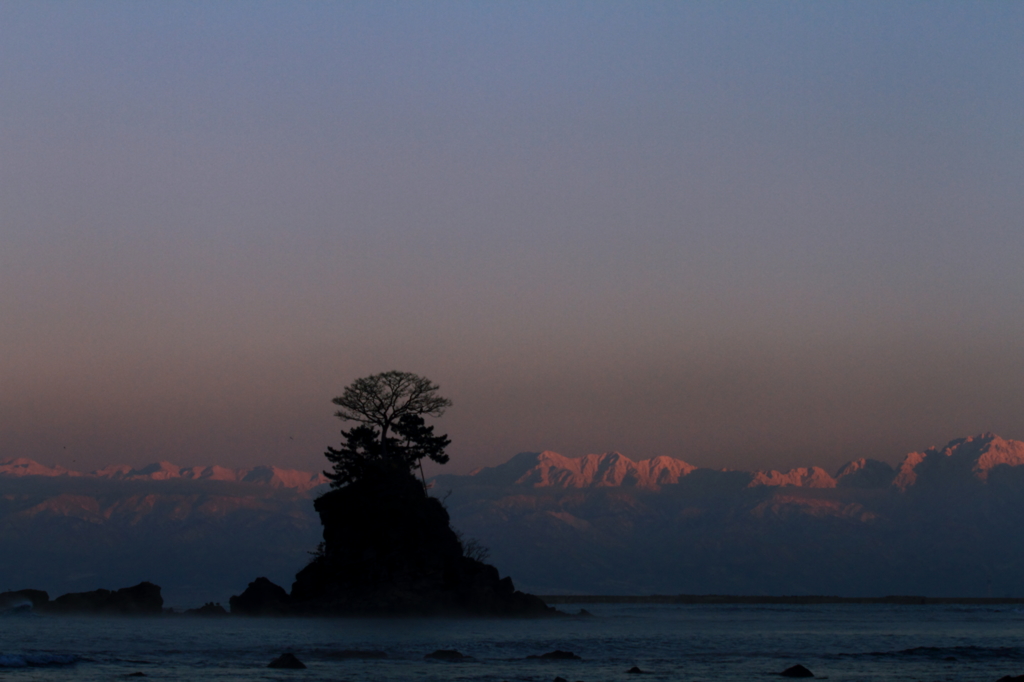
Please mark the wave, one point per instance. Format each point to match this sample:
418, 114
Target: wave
16, 608
974, 653
36, 660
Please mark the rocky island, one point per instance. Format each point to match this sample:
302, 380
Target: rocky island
388, 547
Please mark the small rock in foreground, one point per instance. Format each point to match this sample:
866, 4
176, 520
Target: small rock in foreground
1011, 678
557, 655
447, 655
797, 671
636, 671
286, 661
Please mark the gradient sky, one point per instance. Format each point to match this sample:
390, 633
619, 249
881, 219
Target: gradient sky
744, 234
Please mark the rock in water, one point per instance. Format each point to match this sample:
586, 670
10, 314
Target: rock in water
261, 598
558, 655
797, 671
286, 660
389, 549
1009, 678
447, 655
635, 670
141, 599
207, 609
38, 599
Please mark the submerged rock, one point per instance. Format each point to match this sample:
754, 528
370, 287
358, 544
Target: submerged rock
557, 655
447, 655
796, 671
636, 671
287, 660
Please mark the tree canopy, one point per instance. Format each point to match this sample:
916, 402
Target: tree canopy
392, 435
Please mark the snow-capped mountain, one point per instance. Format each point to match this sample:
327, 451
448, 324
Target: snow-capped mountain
272, 476
945, 521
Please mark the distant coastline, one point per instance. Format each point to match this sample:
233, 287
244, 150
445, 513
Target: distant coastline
793, 599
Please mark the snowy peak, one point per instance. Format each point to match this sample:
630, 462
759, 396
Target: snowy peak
804, 477
272, 476
865, 473
26, 467
282, 478
963, 458
550, 469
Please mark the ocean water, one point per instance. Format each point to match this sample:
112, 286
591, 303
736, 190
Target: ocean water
670, 642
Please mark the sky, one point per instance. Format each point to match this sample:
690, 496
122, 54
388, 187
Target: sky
748, 235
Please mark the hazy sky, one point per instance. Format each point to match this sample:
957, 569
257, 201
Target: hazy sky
744, 234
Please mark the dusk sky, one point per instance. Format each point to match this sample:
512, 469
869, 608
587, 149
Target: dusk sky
749, 235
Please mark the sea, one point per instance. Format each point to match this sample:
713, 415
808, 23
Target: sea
667, 642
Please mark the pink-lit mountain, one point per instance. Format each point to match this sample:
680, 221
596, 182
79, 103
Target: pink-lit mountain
272, 476
966, 457
945, 521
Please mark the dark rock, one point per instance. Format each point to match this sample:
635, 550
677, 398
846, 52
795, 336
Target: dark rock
389, 549
560, 679
585, 613
207, 609
261, 598
141, 599
357, 653
38, 599
636, 671
286, 660
558, 655
797, 671
447, 655
1010, 678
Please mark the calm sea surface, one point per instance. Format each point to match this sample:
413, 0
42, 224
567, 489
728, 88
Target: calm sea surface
848, 642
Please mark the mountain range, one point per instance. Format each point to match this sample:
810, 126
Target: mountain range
164, 471
944, 522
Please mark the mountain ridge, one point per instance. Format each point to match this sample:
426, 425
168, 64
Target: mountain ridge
973, 456
273, 476
945, 521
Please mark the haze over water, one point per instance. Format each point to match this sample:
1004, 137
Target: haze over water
746, 235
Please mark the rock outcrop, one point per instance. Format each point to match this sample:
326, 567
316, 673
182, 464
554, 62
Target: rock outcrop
142, 599
17, 599
389, 549
287, 661
262, 598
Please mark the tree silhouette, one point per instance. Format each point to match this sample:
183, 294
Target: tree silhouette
392, 436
